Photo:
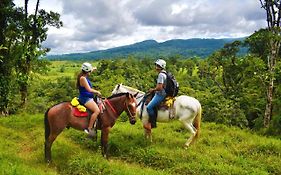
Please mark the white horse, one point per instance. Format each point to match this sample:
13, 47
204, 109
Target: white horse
187, 110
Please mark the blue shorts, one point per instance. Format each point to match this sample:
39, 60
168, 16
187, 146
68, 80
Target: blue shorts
84, 100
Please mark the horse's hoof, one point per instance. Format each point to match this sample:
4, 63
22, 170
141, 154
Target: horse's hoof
48, 162
186, 146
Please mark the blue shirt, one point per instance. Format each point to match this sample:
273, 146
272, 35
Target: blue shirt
83, 91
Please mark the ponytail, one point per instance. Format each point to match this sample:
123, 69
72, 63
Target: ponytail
78, 79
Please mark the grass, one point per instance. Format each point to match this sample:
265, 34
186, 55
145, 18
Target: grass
219, 150
64, 69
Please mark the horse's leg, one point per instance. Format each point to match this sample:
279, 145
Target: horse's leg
48, 144
48, 147
48, 157
192, 130
104, 141
147, 131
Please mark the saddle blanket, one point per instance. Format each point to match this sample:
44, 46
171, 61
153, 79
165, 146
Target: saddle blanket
78, 113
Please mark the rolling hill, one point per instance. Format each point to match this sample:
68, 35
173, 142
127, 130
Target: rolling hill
151, 48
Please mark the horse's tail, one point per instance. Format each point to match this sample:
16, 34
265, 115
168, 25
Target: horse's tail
47, 125
197, 121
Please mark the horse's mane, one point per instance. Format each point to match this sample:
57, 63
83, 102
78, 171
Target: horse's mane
118, 95
132, 89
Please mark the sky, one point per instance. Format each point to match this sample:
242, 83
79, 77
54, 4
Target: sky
90, 25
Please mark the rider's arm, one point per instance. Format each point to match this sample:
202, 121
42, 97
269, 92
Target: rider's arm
84, 83
160, 83
158, 87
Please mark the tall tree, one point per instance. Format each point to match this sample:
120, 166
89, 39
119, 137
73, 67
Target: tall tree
6, 11
21, 36
34, 33
273, 12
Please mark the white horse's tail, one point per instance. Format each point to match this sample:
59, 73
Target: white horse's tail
197, 122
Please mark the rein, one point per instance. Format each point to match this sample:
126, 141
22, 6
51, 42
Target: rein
111, 107
131, 115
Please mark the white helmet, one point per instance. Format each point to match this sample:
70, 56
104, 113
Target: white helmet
161, 63
87, 67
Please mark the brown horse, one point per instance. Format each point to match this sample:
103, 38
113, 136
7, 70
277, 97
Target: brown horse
60, 116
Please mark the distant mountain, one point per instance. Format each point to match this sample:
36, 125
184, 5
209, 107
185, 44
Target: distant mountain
151, 48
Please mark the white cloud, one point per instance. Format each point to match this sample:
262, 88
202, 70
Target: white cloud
98, 24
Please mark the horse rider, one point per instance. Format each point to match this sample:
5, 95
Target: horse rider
160, 93
86, 95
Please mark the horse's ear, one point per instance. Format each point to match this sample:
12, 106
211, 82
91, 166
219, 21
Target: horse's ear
136, 94
128, 94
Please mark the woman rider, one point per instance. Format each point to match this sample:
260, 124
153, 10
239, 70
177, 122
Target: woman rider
86, 94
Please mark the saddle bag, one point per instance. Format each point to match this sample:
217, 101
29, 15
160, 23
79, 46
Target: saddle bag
74, 102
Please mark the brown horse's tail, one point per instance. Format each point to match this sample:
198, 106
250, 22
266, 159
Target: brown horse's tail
47, 125
197, 122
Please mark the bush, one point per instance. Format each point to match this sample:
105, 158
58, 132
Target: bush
218, 109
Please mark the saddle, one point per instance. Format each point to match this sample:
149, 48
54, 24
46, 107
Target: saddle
79, 110
166, 104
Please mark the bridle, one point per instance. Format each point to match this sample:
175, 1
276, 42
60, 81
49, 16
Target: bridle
126, 104
131, 115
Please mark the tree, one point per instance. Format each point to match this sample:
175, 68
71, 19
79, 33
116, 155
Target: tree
273, 12
6, 14
33, 34
226, 70
21, 36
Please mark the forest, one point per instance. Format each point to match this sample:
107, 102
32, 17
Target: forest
234, 89
231, 88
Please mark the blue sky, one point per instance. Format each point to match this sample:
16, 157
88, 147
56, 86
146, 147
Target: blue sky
99, 24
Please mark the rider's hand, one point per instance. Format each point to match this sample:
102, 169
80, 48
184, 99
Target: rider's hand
98, 93
151, 90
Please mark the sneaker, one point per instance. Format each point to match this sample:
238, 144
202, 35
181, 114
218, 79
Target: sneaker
86, 131
92, 133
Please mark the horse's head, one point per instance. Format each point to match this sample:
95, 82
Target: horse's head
131, 107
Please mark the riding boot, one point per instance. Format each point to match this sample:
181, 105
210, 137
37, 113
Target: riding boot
152, 120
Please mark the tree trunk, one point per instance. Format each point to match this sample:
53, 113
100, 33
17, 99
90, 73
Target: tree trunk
30, 42
270, 89
268, 109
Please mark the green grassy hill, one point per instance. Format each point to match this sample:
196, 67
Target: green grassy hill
219, 150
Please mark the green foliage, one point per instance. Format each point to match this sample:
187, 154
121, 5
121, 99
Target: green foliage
21, 36
221, 110
242, 107
275, 127
230, 87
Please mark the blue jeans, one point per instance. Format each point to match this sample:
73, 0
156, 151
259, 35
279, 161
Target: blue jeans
156, 100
